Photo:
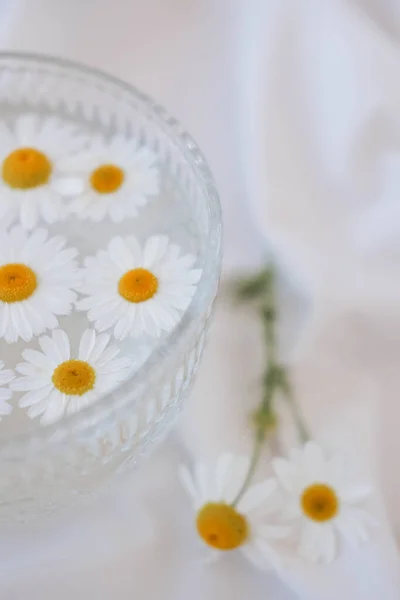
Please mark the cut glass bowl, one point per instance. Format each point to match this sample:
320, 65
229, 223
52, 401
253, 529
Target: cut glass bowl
46, 467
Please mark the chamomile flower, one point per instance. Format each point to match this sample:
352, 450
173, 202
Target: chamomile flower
6, 376
138, 291
111, 178
38, 275
324, 500
56, 381
29, 157
224, 525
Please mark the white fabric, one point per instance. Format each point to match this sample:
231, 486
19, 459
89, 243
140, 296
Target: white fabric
324, 169
296, 105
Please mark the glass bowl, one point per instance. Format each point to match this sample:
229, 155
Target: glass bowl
44, 468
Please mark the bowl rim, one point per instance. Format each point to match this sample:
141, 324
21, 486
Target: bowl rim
205, 290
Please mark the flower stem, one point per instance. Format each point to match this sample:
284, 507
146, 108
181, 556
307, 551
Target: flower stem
297, 416
252, 468
264, 417
261, 288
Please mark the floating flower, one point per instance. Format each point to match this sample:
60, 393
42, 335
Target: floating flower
6, 376
29, 158
37, 278
56, 381
111, 178
138, 291
224, 525
324, 500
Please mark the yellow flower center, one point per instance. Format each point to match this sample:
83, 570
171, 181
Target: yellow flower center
17, 282
26, 168
74, 377
138, 285
320, 502
221, 526
107, 179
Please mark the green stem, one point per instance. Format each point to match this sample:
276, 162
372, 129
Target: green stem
252, 468
269, 318
275, 377
297, 416
264, 412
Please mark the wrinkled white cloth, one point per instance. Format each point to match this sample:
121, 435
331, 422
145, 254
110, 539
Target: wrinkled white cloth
323, 171
296, 106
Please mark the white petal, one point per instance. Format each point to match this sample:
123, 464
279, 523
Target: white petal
55, 408
51, 207
17, 239
121, 254
353, 529
135, 248
49, 319
235, 482
83, 162
22, 322
154, 249
122, 328
314, 540
4, 318
107, 356
25, 384
7, 138
201, 476
26, 369
69, 186
58, 138
61, 343
54, 245
109, 320
211, 557
253, 555
328, 551
35, 319
5, 394
223, 471
256, 495
28, 212
101, 310
271, 558
284, 473
6, 376
355, 492
87, 344
81, 206
314, 460
273, 532
11, 333
189, 486
33, 397
37, 409
26, 128
5, 408
33, 246
100, 345
117, 212
38, 359
74, 405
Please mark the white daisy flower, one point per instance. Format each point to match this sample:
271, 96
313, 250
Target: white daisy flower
138, 291
57, 381
6, 376
29, 157
223, 525
37, 278
324, 500
111, 178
